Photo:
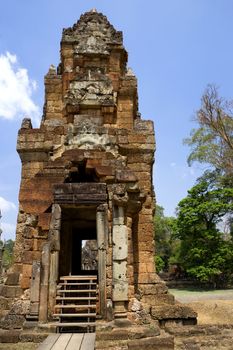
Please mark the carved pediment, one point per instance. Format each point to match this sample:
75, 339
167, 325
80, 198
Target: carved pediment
93, 24
92, 45
98, 92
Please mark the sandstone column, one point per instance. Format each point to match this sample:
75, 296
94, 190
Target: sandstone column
44, 287
54, 235
102, 230
35, 291
120, 252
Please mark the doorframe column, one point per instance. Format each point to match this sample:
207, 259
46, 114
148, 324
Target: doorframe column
102, 234
119, 261
50, 265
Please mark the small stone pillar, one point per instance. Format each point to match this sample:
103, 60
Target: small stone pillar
120, 252
53, 277
44, 287
34, 292
54, 236
101, 224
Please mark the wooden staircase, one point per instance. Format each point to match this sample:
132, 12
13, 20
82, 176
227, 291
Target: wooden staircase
75, 308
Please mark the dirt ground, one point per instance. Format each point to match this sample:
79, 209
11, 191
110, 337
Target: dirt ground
213, 307
19, 346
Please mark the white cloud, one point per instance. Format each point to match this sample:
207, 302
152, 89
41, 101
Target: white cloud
8, 231
16, 90
6, 205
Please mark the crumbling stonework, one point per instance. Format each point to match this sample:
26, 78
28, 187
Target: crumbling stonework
88, 167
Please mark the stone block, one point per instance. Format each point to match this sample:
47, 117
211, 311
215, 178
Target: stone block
144, 126
11, 291
144, 256
135, 158
27, 244
44, 220
143, 175
146, 185
138, 138
125, 175
29, 232
104, 171
147, 245
32, 337
152, 343
178, 311
147, 278
12, 279
27, 270
131, 291
25, 282
9, 336
158, 299
29, 256
18, 267
12, 322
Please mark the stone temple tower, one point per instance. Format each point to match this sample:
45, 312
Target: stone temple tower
87, 175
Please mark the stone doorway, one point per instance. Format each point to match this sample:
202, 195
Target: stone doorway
78, 228
80, 281
79, 215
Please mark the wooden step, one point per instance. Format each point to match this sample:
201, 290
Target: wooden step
77, 284
81, 291
75, 298
75, 306
76, 302
91, 314
78, 278
73, 324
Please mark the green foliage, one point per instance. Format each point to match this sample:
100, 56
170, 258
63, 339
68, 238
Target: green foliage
175, 251
212, 141
8, 253
159, 263
164, 227
204, 252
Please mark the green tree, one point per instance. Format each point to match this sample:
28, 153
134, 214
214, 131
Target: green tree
204, 252
8, 253
163, 238
212, 141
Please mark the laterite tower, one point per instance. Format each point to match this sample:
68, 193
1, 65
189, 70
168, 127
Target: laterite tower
87, 175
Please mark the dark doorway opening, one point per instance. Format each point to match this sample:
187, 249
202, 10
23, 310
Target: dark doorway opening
78, 253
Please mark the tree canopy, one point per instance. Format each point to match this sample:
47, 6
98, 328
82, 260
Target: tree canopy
212, 141
205, 253
200, 239
7, 252
163, 242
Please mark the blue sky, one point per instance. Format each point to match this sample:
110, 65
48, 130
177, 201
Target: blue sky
176, 47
